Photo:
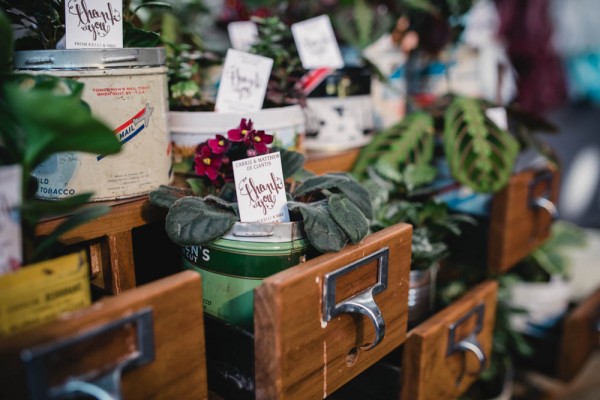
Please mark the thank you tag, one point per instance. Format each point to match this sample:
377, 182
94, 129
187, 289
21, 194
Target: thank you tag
316, 43
260, 189
243, 83
10, 225
242, 34
94, 24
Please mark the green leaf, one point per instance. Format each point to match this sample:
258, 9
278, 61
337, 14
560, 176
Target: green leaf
322, 231
348, 217
165, 195
191, 221
291, 162
356, 193
198, 186
134, 37
79, 218
480, 155
53, 124
319, 183
6, 45
34, 209
415, 175
222, 204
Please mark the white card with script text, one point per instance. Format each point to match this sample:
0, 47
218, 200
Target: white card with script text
260, 189
10, 223
316, 43
243, 82
94, 24
242, 34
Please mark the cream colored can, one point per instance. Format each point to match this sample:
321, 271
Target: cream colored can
127, 89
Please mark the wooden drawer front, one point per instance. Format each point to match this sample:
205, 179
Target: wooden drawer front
434, 367
517, 224
160, 325
298, 354
581, 335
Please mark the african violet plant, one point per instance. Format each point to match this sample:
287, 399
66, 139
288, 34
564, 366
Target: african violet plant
480, 155
334, 208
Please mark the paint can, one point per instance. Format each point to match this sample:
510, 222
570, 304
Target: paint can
232, 266
126, 89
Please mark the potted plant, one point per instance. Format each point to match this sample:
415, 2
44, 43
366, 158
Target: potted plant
281, 115
123, 86
43, 115
326, 211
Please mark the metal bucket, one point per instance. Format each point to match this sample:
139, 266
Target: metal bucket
232, 266
421, 295
127, 89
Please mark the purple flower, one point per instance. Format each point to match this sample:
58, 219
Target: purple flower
219, 145
242, 132
260, 140
207, 163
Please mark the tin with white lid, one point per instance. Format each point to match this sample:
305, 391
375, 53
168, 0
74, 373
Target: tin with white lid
127, 89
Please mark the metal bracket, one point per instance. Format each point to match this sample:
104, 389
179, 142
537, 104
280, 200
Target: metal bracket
543, 201
470, 343
100, 383
363, 302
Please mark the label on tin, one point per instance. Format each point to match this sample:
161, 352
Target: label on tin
316, 43
242, 34
10, 225
260, 189
94, 24
243, 83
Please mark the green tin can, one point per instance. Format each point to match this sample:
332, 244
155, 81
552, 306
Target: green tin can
232, 266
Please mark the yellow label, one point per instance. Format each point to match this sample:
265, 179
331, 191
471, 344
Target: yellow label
38, 293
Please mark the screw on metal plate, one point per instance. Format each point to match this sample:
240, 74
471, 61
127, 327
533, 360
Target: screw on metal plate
363, 302
542, 201
102, 384
470, 343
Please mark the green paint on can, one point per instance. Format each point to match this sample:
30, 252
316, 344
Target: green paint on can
232, 266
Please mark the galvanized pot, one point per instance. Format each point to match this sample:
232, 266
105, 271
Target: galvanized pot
421, 294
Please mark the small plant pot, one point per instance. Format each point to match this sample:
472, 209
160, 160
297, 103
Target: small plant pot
127, 89
232, 266
421, 294
190, 128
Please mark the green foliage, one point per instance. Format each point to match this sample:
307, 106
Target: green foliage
41, 116
360, 26
275, 41
349, 217
480, 155
323, 233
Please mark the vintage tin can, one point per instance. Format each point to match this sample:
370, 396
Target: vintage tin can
127, 89
232, 266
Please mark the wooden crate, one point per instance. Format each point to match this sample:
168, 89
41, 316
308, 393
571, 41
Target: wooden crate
156, 330
295, 352
440, 358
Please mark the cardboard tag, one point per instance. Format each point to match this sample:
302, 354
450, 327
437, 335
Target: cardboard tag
243, 83
498, 116
94, 24
260, 189
316, 43
242, 34
11, 251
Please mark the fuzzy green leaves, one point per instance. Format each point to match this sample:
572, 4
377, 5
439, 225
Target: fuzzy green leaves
348, 217
480, 155
323, 233
193, 221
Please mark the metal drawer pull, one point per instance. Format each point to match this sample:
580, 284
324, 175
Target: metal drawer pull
470, 343
103, 383
363, 302
542, 202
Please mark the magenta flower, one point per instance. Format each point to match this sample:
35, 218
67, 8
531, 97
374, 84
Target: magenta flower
260, 140
219, 145
207, 163
242, 132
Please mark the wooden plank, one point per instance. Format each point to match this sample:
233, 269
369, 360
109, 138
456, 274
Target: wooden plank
322, 163
425, 359
516, 229
178, 370
298, 354
580, 337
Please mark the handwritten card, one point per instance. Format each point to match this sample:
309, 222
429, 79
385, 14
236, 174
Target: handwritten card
242, 34
94, 24
243, 82
10, 225
316, 43
260, 189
